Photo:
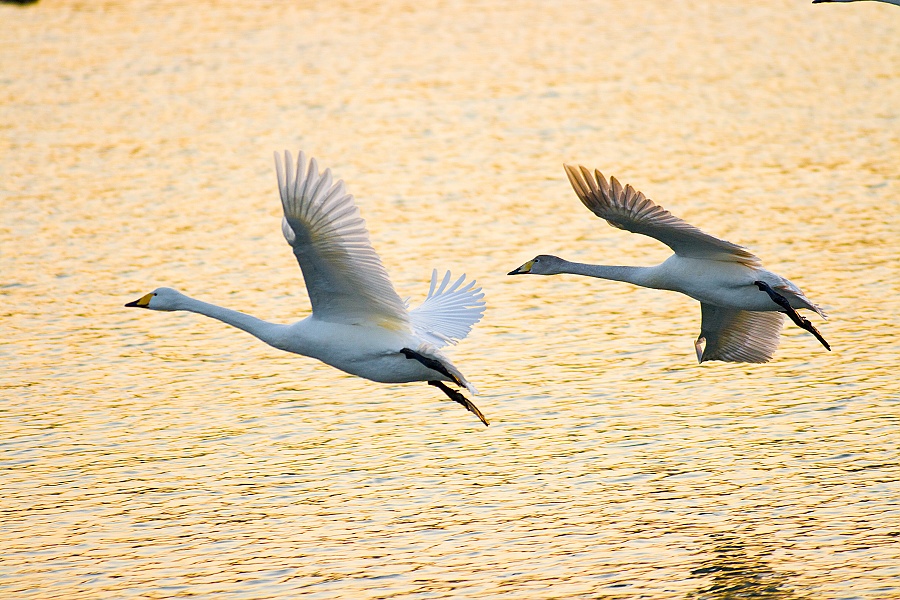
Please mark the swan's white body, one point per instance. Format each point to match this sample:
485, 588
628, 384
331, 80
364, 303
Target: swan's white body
740, 323
358, 324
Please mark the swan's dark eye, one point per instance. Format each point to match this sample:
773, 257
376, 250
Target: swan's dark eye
537, 260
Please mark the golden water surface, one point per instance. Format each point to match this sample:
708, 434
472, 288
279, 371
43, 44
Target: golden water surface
161, 455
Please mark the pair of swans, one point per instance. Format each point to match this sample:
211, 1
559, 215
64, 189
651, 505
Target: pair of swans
361, 326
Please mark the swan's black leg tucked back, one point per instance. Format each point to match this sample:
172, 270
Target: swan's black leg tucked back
457, 397
783, 302
436, 365
431, 364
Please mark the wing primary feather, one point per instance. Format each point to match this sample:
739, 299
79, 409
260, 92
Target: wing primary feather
323, 184
458, 283
615, 188
433, 283
629, 197
575, 180
444, 282
279, 175
591, 186
289, 174
304, 176
601, 181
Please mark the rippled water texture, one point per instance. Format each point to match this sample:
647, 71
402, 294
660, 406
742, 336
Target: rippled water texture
159, 455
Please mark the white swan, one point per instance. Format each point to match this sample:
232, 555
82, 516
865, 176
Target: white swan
358, 323
742, 305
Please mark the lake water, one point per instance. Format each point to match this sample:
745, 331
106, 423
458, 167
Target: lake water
161, 455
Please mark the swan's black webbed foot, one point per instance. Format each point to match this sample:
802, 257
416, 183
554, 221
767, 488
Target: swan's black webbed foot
796, 317
431, 363
457, 397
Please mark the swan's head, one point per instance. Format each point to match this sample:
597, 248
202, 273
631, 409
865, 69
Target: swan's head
542, 264
159, 299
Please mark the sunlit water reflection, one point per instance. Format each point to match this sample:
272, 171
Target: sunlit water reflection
164, 455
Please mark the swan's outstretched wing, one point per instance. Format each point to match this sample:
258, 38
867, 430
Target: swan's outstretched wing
344, 276
738, 335
449, 311
628, 209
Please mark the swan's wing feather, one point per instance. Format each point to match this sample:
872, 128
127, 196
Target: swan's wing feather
628, 209
449, 311
344, 276
739, 335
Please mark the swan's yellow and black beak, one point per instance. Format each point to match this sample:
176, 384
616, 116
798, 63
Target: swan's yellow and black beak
142, 302
523, 270
699, 347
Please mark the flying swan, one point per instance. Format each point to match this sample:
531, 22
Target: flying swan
742, 304
358, 323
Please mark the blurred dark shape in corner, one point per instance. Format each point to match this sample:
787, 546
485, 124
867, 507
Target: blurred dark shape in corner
22, 2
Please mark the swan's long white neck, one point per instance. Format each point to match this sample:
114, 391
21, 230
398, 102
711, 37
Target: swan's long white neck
642, 276
265, 331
